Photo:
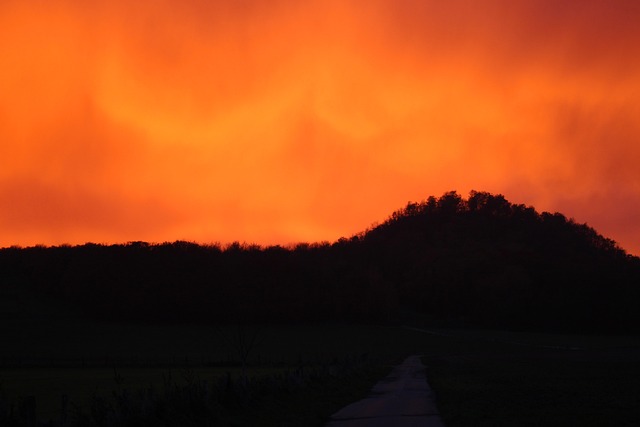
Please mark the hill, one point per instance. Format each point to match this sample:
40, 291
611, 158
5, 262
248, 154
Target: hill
477, 262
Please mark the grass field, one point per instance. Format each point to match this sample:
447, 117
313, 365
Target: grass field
63, 357
521, 379
481, 378
537, 389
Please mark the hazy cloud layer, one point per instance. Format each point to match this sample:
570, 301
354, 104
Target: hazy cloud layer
284, 121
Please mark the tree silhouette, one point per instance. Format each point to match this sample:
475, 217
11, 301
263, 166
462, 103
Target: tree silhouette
480, 261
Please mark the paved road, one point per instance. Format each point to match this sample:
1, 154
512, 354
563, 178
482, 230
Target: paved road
402, 399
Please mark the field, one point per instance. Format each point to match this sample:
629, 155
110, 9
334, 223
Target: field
82, 359
481, 378
534, 380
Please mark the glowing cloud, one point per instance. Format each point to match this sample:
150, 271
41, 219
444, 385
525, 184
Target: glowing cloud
276, 122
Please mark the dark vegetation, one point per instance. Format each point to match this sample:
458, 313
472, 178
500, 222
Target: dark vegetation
585, 381
481, 378
479, 262
295, 375
303, 396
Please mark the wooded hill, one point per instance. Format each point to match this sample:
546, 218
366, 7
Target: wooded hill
476, 262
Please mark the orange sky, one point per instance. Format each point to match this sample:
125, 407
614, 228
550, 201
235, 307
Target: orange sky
284, 121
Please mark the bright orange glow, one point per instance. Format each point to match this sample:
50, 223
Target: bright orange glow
284, 121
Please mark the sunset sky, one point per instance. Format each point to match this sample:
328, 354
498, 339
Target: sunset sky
282, 121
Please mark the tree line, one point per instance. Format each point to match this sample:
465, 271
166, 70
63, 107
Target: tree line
479, 262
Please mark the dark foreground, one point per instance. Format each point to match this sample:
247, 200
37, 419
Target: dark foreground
302, 374
534, 380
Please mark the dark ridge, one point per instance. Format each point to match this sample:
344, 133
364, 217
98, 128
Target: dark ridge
476, 262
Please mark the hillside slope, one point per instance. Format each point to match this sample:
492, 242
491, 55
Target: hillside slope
480, 262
